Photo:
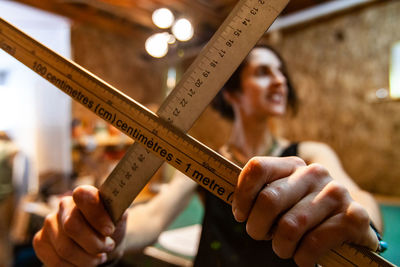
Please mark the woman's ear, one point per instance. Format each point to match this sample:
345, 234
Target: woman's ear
230, 97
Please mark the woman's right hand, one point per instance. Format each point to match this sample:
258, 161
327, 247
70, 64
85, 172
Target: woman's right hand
80, 232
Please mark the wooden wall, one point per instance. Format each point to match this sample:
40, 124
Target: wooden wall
114, 58
334, 63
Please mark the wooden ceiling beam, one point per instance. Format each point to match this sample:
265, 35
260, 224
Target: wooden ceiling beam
89, 16
193, 9
131, 13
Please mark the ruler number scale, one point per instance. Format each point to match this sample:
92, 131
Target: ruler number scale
198, 86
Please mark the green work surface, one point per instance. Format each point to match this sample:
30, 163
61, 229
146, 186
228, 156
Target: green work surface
193, 214
391, 233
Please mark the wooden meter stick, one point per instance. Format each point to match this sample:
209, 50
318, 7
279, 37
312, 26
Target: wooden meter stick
161, 137
234, 39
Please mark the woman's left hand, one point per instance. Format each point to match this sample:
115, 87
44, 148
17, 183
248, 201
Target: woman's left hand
301, 208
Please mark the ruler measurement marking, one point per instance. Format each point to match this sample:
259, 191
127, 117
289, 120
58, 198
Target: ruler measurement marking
38, 58
54, 68
343, 257
208, 164
140, 125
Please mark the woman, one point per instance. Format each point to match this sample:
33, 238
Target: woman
291, 209
258, 91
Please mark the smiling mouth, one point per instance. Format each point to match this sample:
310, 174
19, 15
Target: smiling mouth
276, 98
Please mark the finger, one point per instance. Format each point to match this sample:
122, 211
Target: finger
271, 202
66, 248
280, 196
258, 172
48, 256
351, 226
46, 253
305, 215
75, 226
120, 228
87, 199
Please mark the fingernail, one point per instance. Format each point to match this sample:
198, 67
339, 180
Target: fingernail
110, 244
103, 258
238, 215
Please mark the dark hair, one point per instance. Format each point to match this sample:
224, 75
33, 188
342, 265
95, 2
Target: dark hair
234, 85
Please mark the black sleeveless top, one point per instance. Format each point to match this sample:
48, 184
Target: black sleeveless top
225, 242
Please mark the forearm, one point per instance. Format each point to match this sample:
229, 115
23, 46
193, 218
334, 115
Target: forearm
142, 231
147, 221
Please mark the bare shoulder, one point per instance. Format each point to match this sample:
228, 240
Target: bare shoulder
311, 150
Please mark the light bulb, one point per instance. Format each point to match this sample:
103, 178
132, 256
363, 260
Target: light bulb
183, 30
157, 44
163, 18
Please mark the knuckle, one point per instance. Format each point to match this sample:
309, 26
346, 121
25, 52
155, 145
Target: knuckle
290, 228
357, 215
79, 191
317, 170
48, 221
64, 203
84, 195
298, 161
270, 197
336, 191
71, 225
254, 233
64, 250
255, 167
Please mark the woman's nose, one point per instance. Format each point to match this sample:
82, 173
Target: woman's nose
277, 77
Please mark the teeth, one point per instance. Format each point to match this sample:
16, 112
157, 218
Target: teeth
276, 97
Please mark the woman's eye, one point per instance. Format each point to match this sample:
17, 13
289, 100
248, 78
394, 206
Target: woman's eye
262, 71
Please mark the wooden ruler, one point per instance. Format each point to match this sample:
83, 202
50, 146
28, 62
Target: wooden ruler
240, 31
162, 137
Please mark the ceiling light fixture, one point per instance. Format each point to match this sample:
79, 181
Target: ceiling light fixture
157, 44
163, 18
183, 30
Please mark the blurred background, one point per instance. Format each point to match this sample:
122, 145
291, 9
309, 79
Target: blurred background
343, 57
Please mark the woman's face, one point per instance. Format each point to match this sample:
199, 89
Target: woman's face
264, 88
